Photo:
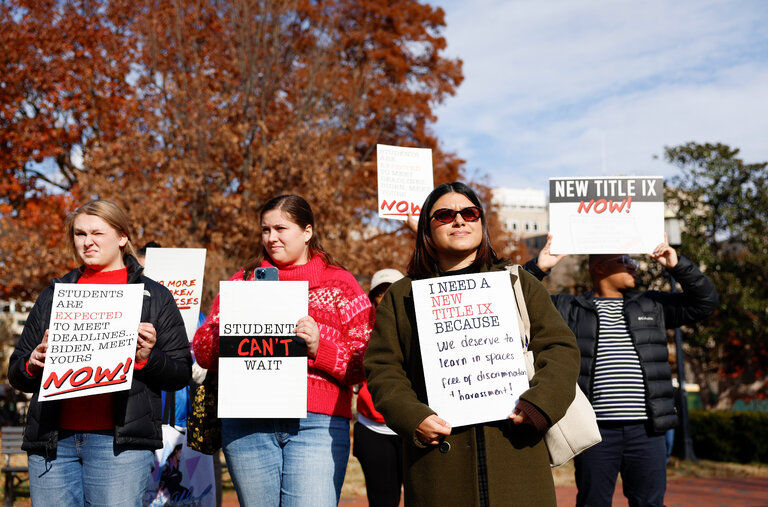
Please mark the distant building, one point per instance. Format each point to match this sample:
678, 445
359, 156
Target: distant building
524, 213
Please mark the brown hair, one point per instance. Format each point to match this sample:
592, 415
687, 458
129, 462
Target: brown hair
423, 263
300, 213
107, 211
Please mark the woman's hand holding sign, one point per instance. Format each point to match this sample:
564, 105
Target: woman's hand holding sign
307, 330
520, 417
432, 429
146, 341
36, 361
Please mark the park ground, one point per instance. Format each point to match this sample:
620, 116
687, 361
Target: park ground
689, 484
701, 484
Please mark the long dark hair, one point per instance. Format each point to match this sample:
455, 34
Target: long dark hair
300, 213
423, 263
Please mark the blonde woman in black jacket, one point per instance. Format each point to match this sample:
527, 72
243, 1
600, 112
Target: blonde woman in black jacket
97, 450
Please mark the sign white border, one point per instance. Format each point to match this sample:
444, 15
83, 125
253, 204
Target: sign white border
405, 179
470, 345
261, 386
606, 214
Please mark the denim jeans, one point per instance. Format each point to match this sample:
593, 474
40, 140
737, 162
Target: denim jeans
89, 469
287, 462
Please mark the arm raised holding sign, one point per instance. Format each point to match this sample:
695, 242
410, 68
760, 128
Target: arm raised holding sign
499, 462
615, 320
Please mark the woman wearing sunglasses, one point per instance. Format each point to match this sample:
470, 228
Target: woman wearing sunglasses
496, 463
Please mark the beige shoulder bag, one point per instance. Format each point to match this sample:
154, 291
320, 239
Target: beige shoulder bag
577, 430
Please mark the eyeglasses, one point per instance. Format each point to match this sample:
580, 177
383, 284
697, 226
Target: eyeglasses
446, 216
626, 260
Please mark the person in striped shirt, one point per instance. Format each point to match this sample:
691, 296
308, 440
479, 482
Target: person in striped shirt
625, 369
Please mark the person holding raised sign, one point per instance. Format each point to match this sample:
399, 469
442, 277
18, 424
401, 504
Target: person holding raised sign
98, 449
494, 463
298, 462
625, 370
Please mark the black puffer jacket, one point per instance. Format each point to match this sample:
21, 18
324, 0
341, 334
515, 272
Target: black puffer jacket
138, 411
648, 315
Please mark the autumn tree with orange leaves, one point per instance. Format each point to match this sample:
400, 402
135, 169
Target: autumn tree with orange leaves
190, 115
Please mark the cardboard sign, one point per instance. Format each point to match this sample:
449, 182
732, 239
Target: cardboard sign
620, 215
470, 346
405, 180
181, 270
91, 340
262, 364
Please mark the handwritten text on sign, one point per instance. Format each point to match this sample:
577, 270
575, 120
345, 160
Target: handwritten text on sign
405, 179
262, 364
91, 340
181, 271
470, 345
606, 215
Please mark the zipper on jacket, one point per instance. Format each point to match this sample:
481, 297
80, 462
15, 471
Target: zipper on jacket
482, 467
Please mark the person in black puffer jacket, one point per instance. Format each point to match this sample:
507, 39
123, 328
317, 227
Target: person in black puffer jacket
625, 368
97, 450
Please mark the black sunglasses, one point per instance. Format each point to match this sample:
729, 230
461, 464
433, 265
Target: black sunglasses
446, 216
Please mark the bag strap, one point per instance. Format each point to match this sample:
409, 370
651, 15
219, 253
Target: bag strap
522, 311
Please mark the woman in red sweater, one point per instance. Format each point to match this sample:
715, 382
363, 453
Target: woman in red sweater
299, 461
97, 449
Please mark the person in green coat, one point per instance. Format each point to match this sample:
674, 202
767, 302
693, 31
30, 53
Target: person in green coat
495, 463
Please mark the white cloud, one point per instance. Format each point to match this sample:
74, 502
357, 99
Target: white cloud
570, 88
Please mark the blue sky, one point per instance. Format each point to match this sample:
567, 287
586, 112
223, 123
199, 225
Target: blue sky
560, 88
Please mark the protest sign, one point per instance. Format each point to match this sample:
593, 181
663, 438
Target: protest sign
404, 178
611, 215
91, 340
262, 364
470, 344
181, 270
180, 476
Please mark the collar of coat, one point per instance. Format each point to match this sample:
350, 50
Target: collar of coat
132, 265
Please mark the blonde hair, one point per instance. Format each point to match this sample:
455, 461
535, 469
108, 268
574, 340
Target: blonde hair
107, 211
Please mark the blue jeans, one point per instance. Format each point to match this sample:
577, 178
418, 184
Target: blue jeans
632, 450
89, 469
287, 462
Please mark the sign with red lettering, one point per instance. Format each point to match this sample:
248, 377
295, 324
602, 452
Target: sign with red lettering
470, 344
262, 363
606, 215
91, 340
181, 270
404, 178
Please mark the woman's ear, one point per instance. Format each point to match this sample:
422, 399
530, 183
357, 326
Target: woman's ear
123, 240
308, 234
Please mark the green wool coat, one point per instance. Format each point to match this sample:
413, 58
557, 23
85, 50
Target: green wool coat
518, 471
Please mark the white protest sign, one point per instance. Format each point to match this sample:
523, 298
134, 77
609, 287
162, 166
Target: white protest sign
262, 364
91, 339
181, 270
610, 215
404, 178
470, 346
180, 476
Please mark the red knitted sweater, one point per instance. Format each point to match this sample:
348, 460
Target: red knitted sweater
344, 317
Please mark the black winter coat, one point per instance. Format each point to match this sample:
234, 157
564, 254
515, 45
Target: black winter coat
648, 314
138, 411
